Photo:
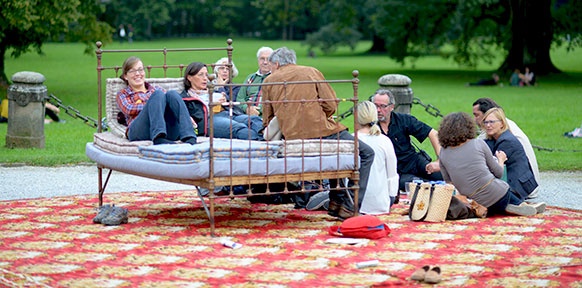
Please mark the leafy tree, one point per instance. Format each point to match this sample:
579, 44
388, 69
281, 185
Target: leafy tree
469, 31
148, 17
287, 19
26, 25
338, 33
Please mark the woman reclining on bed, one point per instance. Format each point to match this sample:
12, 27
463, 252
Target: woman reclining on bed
196, 97
150, 112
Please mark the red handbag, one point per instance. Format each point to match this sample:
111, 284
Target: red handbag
364, 226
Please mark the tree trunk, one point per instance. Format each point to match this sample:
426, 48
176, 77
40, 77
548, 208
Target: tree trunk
378, 45
3, 79
532, 35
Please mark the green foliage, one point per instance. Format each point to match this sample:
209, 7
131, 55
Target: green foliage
473, 31
568, 23
544, 112
329, 38
285, 19
145, 14
29, 24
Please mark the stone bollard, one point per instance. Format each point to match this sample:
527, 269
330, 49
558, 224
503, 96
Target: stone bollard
26, 98
399, 85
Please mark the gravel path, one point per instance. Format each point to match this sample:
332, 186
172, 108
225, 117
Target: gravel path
562, 189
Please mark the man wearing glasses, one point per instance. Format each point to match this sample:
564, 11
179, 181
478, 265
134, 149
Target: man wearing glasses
253, 93
411, 164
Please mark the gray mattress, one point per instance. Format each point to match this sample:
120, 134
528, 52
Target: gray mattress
222, 168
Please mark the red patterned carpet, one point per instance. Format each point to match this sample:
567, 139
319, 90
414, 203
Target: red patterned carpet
53, 243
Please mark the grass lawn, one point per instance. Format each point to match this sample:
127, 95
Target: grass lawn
544, 112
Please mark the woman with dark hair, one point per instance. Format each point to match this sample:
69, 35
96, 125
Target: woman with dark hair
150, 112
198, 100
469, 165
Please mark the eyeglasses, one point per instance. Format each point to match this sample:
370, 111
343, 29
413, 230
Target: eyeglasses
134, 71
490, 122
383, 106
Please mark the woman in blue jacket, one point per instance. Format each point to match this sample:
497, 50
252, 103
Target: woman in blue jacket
499, 138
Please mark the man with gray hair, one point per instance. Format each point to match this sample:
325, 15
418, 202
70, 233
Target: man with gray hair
411, 164
253, 93
311, 119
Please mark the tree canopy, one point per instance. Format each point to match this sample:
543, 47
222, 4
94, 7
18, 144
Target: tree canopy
466, 31
26, 25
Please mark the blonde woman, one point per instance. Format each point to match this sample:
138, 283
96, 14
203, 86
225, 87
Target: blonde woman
499, 138
383, 182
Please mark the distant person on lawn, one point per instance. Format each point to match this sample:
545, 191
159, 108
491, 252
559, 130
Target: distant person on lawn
494, 80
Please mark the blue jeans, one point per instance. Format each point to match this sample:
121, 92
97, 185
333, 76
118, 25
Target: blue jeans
366, 159
243, 126
163, 113
499, 206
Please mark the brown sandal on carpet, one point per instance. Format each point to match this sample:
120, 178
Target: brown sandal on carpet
419, 274
433, 276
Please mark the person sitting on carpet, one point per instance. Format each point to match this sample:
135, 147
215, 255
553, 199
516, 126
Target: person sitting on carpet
468, 164
400, 127
519, 172
383, 180
150, 112
480, 107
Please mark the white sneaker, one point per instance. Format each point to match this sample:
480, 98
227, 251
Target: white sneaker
522, 209
540, 206
533, 194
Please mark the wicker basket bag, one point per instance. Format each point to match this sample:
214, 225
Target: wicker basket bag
430, 202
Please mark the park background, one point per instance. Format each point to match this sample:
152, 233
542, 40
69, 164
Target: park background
440, 45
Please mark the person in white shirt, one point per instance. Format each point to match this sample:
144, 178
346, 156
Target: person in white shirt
383, 180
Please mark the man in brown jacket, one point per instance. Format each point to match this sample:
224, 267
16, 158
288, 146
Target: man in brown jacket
311, 119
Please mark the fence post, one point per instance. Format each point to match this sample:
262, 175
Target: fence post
399, 85
26, 98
